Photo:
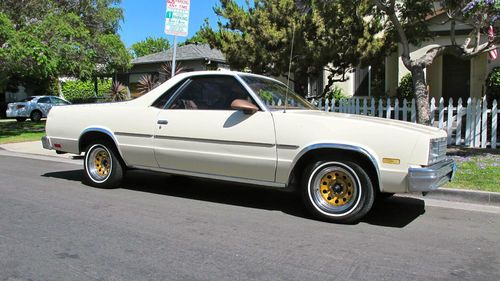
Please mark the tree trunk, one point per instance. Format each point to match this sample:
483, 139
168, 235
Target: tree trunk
421, 94
59, 88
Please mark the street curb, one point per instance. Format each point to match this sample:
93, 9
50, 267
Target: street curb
466, 196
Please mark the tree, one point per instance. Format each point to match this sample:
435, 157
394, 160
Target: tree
59, 38
407, 20
259, 37
197, 38
149, 46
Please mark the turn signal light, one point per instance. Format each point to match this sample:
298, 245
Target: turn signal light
19, 106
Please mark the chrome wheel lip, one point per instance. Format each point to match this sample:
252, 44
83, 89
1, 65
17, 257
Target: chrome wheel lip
314, 191
90, 165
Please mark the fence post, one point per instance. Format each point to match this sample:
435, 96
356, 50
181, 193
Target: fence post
494, 124
484, 124
327, 105
405, 110
332, 109
372, 107
413, 111
458, 134
388, 109
380, 108
468, 122
396, 109
441, 113
365, 107
449, 121
477, 123
431, 110
357, 106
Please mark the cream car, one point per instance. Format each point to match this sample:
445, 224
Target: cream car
235, 127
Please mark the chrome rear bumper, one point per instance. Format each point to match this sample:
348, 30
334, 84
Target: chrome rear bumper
46, 143
430, 178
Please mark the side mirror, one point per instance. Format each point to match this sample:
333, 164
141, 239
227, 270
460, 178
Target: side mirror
245, 106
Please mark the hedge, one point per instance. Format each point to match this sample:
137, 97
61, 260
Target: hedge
83, 91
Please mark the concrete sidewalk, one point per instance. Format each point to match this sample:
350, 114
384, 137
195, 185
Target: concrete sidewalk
34, 147
447, 194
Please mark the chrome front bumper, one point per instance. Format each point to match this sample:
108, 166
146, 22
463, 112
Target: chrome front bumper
430, 178
46, 143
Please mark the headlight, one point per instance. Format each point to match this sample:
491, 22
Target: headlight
437, 150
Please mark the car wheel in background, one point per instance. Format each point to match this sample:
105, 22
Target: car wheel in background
102, 165
21, 119
36, 115
337, 191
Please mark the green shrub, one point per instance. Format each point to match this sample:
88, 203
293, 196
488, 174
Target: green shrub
336, 93
405, 89
493, 84
83, 91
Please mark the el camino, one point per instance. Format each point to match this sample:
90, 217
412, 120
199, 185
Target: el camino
251, 129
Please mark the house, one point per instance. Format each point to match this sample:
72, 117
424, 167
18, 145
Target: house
190, 57
447, 76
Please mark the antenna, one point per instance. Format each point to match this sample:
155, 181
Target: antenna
289, 69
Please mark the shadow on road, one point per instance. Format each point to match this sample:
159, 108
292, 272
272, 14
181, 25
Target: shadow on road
392, 212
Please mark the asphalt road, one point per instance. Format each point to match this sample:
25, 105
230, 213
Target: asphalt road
159, 227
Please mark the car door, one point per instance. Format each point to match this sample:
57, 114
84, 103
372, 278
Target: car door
44, 104
198, 132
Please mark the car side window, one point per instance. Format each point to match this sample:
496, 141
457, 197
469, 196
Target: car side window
215, 92
58, 101
163, 99
44, 100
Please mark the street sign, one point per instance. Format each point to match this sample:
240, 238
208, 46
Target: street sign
177, 17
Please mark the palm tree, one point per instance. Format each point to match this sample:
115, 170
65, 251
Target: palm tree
147, 83
166, 69
118, 92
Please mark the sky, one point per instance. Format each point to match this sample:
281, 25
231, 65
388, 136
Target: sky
145, 18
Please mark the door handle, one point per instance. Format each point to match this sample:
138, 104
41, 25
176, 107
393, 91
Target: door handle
162, 122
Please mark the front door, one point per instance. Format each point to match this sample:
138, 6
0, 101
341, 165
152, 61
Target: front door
199, 132
456, 78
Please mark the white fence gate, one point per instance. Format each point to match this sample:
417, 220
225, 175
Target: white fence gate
473, 124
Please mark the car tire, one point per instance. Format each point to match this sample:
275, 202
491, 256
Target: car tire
36, 115
21, 119
102, 166
337, 191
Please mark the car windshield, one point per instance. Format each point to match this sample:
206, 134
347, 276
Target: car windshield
274, 93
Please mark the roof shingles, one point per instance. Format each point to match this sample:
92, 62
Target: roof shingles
186, 52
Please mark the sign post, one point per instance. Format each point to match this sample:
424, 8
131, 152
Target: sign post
176, 22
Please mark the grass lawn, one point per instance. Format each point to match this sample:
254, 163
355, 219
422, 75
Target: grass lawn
13, 131
476, 169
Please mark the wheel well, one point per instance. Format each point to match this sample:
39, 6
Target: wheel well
88, 137
34, 110
335, 154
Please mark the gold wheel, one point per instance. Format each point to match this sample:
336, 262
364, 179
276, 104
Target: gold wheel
99, 163
334, 189
337, 188
102, 163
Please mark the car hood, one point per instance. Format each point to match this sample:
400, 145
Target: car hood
376, 121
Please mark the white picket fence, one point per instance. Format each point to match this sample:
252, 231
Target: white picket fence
473, 124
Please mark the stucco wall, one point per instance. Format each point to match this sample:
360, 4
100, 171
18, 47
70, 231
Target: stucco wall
435, 78
347, 87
